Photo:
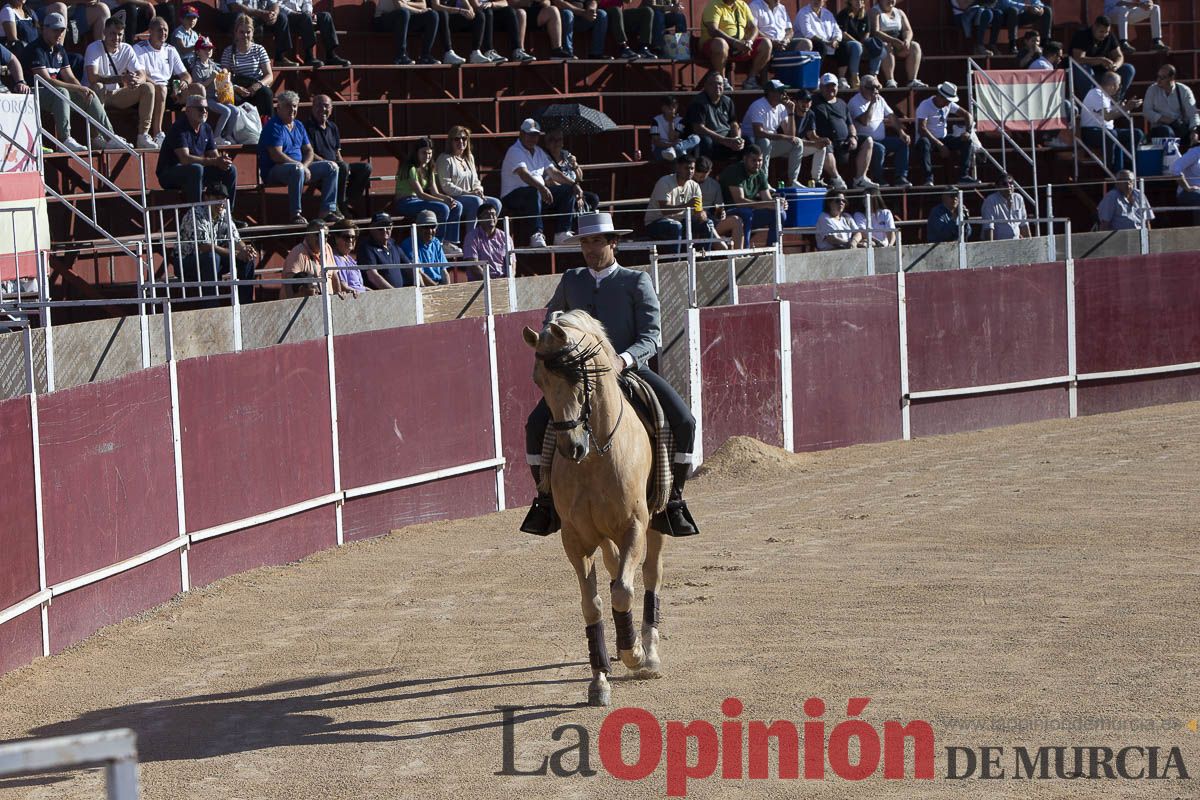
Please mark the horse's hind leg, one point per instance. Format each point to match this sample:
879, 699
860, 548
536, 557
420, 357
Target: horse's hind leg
651, 616
599, 693
633, 550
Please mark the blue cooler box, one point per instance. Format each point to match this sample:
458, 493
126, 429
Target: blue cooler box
1149, 161
804, 206
799, 70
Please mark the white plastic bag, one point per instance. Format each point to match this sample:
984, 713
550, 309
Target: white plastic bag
247, 125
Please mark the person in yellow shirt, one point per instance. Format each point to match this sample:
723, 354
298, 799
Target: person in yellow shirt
728, 33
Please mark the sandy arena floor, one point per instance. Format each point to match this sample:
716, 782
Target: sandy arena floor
999, 584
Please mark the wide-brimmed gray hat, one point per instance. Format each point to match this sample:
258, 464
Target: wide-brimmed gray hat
596, 222
426, 217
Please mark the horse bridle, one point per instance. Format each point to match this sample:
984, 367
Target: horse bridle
577, 365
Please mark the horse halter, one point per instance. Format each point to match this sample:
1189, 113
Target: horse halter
577, 365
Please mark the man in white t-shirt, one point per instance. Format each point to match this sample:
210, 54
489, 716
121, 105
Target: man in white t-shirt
529, 180
770, 122
161, 62
875, 118
1004, 213
1100, 110
111, 68
934, 133
774, 23
673, 199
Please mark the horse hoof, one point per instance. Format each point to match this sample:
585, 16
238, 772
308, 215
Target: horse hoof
599, 695
633, 659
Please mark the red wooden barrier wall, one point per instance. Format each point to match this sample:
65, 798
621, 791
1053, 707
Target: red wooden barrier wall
20, 638
518, 395
741, 374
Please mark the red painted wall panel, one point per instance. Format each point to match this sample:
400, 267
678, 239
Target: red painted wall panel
1103, 397
20, 640
976, 412
1141, 311
76, 615
518, 395
989, 325
845, 361
412, 400
467, 495
739, 361
18, 531
108, 474
277, 542
255, 429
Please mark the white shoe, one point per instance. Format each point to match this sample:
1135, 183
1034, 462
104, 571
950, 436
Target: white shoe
890, 83
452, 57
477, 57
843, 85
144, 142
494, 57
451, 250
837, 183
221, 141
669, 154
865, 183
537, 240
562, 237
159, 138
917, 84
73, 146
113, 143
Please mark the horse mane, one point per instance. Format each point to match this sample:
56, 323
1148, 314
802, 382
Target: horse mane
583, 322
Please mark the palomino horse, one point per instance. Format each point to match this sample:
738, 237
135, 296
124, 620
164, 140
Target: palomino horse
598, 481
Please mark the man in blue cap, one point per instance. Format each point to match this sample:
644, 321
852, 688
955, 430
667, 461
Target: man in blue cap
625, 302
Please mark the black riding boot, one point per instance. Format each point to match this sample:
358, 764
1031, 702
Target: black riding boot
676, 520
542, 519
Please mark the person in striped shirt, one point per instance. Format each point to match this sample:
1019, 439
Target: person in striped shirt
249, 67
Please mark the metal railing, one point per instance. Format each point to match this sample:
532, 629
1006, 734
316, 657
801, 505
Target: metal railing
976, 72
1107, 133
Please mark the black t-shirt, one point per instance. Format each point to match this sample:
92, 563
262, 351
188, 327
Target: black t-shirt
325, 143
854, 27
716, 117
40, 55
1085, 41
833, 119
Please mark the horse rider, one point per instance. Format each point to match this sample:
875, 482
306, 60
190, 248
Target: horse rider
624, 301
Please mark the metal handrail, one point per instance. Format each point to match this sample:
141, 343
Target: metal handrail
1107, 133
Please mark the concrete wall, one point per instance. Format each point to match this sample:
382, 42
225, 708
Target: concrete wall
92, 351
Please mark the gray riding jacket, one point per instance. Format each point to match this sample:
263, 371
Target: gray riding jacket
624, 302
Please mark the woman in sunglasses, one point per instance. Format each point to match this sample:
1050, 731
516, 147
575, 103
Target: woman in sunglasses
459, 178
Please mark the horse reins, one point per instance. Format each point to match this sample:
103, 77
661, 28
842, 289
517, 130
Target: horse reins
576, 365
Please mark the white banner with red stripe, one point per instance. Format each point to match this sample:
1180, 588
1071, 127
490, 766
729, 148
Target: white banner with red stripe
1020, 99
24, 229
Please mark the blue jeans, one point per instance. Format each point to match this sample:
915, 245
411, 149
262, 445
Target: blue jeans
849, 55
966, 152
598, 27
685, 145
1116, 158
875, 52
889, 144
399, 21
470, 205
659, 27
1083, 85
755, 216
977, 19
666, 229
526, 201
191, 178
447, 217
324, 174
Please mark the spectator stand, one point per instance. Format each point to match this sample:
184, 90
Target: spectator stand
1110, 138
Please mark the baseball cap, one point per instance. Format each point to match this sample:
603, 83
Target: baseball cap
775, 86
530, 126
804, 96
55, 22
381, 219
827, 78
204, 43
190, 11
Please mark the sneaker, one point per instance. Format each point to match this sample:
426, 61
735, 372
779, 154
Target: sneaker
669, 154
1160, 46
333, 215
837, 183
562, 237
282, 60
537, 240
299, 220
645, 52
145, 142
113, 143
451, 250
843, 85
315, 63
452, 57
916, 83
890, 83
494, 57
477, 57
402, 61
336, 61
928, 181
520, 55
865, 183
427, 61
159, 138
902, 182
74, 146
982, 51
1127, 48
752, 84
628, 54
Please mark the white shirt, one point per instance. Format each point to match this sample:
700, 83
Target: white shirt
883, 222
771, 22
1005, 214
662, 128
161, 64
1095, 104
96, 57
761, 111
936, 118
879, 112
668, 192
1188, 165
823, 26
840, 229
517, 157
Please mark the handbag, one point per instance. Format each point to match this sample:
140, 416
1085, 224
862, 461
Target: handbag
247, 125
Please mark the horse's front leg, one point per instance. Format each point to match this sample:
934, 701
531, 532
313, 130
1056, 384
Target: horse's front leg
599, 693
633, 550
651, 615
